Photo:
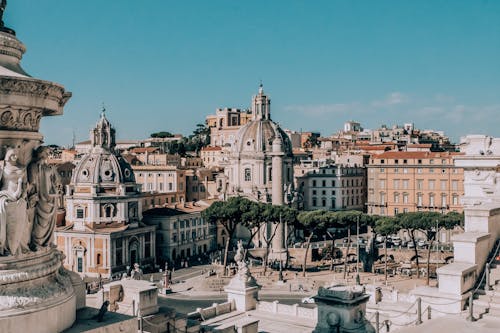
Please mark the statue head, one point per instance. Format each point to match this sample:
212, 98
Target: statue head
11, 156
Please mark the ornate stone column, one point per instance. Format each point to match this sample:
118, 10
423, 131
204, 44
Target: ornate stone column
278, 248
36, 293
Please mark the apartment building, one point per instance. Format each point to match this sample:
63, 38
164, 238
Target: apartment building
328, 186
401, 182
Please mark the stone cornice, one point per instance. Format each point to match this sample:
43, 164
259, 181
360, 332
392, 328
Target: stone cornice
47, 96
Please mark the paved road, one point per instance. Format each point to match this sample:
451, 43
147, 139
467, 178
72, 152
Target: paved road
186, 305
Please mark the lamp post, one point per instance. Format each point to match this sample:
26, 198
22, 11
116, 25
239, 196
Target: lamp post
357, 250
437, 245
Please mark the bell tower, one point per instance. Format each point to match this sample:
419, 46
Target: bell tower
261, 105
103, 134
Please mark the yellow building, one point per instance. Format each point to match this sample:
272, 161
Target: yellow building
401, 182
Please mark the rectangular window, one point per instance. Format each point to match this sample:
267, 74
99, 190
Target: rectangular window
405, 184
170, 186
396, 170
443, 185
419, 199
396, 184
382, 170
405, 170
431, 200
382, 183
405, 198
431, 184
333, 183
80, 264
443, 201
80, 213
396, 211
420, 184
454, 185
455, 200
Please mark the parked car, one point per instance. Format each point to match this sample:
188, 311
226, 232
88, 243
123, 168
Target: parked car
308, 300
422, 243
411, 244
396, 241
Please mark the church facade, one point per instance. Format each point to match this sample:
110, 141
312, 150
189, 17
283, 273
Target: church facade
260, 155
103, 233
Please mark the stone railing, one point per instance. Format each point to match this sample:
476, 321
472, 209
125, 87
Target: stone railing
213, 311
287, 310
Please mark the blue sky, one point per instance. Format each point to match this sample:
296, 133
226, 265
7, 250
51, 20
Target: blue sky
165, 65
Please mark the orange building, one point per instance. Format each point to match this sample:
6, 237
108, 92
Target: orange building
401, 182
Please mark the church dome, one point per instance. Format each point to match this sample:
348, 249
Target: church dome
257, 136
102, 166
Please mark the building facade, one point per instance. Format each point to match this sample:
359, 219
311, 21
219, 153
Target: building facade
401, 182
181, 232
224, 125
103, 234
329, 186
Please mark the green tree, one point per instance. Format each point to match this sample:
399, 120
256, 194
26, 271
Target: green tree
162, 134
427, 224
228, 214
386, 226
349, 219
313, 223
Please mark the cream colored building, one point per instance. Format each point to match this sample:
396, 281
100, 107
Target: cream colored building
401, 182
224, 125
160, 178
181, 231
103, 233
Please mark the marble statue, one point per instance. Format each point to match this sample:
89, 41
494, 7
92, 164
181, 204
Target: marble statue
136, 273
12, 204
43, 181
28, 201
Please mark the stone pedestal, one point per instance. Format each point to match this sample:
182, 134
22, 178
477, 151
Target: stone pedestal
139, 297
36, 294
342, 309
243, 290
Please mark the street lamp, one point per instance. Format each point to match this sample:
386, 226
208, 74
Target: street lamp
358, 281
437, 245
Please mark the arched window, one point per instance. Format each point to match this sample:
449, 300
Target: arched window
98, 259
248, 175
108, 211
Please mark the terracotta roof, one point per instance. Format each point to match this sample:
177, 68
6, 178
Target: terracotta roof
141, 150
415, 154
419, 145
209, 148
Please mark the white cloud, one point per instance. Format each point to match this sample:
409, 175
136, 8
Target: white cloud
393, 99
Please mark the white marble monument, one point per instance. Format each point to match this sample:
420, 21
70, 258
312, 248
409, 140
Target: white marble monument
36, 293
